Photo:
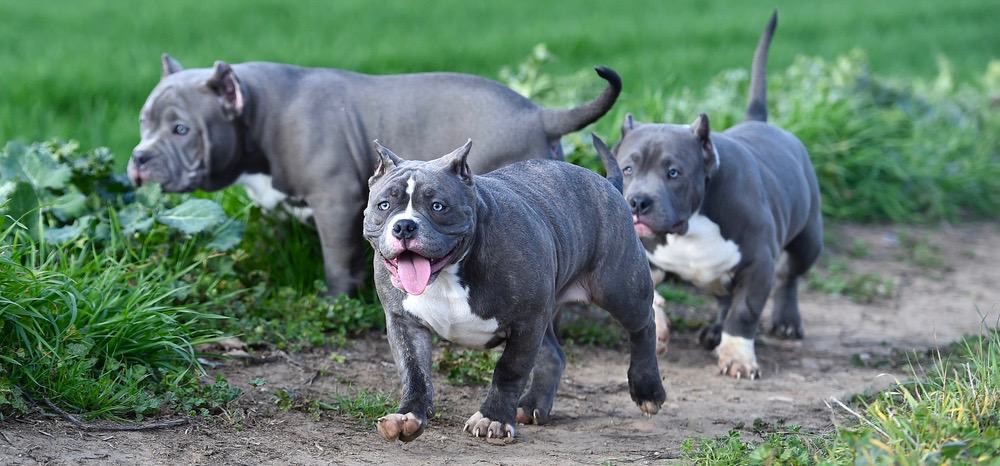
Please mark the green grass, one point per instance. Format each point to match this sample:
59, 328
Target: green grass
582, 331
106, 323
95, 330
946, 414
363, 405
837, 278
466, 367
81, 69
105, 320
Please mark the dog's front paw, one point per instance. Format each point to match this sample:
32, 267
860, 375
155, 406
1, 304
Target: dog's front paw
647, 392
480, 426
403, 427
710, 336
662, 323
737, 358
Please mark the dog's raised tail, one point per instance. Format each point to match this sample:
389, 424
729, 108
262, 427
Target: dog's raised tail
757, 102
557, 122
611, 169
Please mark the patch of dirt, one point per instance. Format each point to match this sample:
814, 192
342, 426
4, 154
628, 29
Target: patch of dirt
594, 420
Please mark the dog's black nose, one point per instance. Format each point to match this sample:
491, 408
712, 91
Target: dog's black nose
404, 229
141, 157
640, 204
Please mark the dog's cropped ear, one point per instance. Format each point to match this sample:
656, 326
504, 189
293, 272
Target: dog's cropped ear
458, 162
168, 65
226, 85
628, 124
611, 169
701, 130
387, 162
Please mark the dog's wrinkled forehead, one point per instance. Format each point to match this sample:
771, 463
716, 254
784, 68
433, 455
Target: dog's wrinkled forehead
419, 180
180, 92
650, 146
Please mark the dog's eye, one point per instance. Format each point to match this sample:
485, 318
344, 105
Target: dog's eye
627, 171
437, 206
180, 129
384, 205
673, 173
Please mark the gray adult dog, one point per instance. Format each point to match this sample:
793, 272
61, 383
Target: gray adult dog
485, 260
302, 134
718, 209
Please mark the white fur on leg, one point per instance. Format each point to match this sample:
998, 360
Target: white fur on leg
662, 323
737, 357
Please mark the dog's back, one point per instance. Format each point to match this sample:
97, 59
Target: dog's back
589, 220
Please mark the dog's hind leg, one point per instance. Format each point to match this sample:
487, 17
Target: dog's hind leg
536, 403
800, 255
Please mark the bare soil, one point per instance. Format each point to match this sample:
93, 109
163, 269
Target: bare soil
849, 348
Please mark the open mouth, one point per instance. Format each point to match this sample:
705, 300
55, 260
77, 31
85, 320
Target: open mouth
412, 272
645, 231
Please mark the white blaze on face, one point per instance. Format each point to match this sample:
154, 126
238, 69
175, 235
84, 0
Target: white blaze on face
445, 308
406, 214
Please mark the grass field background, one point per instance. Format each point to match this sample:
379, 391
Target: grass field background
81, 69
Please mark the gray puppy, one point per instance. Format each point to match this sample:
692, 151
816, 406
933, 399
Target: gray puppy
485, 260
718, 209
300, 135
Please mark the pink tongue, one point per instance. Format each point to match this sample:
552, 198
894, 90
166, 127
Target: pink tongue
414, 272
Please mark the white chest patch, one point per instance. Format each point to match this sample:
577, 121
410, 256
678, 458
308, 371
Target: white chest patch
702, 256
444, 306
262, 193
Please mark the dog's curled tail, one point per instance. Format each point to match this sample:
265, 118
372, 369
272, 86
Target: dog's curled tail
557, 122
757, 104
611, 169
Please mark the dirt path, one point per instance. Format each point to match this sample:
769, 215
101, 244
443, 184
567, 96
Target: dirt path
594, 421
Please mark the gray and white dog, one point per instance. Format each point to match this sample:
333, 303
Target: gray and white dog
485, 260
718, 209
302, 135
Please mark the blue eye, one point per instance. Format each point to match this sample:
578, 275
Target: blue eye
180, 130
437, 207
384, 205
627, 171
673, 173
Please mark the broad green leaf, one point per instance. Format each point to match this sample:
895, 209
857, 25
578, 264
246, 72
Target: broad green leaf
10, 165
19, 203
134, 218
193, 216
149, 195
69, 206
43, 171
68, 233
226, 236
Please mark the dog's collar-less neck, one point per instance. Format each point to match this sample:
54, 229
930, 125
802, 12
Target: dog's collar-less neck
253, 159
